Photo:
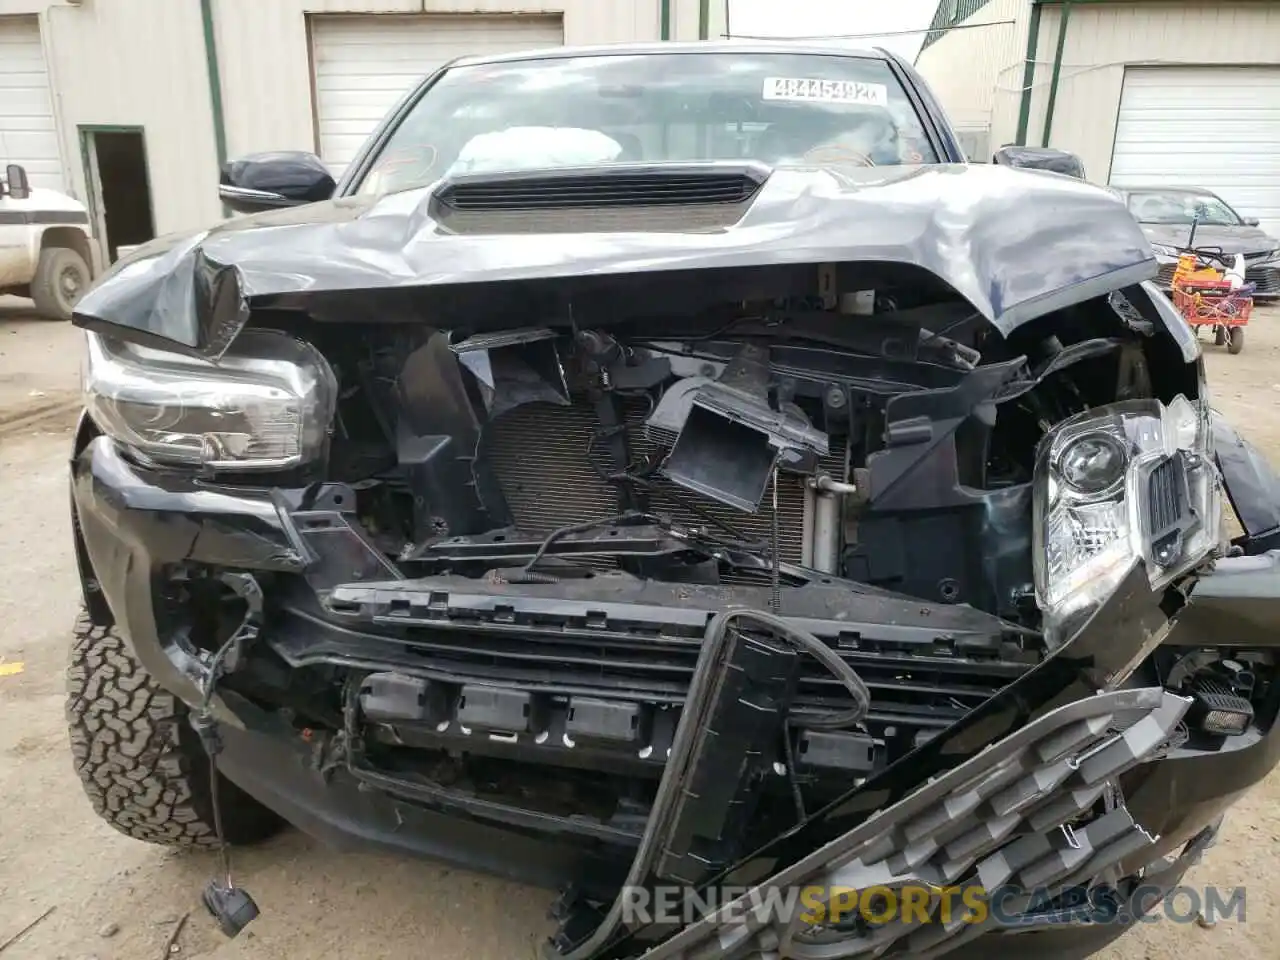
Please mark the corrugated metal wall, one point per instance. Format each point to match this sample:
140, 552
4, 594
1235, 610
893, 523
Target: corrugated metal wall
968, 67
1101, 39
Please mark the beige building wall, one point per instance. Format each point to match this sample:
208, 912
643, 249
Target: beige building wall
972, 69
142, 63
264, 53
1103, 38
137, 63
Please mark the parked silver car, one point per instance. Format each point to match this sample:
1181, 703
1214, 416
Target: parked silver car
1166, 215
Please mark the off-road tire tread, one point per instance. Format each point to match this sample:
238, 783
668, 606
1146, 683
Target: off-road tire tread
138, 759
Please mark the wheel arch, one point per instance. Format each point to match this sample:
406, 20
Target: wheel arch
70, 238
95, 602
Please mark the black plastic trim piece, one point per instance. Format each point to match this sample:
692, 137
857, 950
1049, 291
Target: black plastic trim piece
605, 185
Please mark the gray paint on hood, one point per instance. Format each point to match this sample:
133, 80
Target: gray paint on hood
1015, 244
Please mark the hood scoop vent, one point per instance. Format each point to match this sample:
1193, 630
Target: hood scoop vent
610, 186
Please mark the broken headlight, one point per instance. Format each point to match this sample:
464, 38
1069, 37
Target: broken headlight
265, 405
1133, 480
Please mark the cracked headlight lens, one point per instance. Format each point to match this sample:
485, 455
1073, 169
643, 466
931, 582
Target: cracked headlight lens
1133, 480
265, 405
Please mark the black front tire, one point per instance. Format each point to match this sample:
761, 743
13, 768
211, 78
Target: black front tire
1219, 336
1235, 340
139, 760
61, 279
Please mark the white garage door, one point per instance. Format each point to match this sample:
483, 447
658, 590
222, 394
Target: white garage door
27, 133
1215, 127
364, 65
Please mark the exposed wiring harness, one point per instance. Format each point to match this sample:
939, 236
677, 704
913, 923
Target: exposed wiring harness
206, 727
226, 659
799, 638
806, 642
692, 718
527, 573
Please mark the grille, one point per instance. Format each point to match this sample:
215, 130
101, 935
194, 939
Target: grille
539, 453
1167, 495
1166, 274
602, 189
923, 687
1266, 280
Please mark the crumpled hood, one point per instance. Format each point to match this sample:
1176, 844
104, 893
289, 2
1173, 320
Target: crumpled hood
1240, 239
1015, 244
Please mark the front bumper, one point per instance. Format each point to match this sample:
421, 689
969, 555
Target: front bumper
133, 523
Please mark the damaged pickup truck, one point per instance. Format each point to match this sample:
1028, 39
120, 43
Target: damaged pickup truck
670, 466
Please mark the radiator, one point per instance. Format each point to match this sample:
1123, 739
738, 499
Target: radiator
539, 453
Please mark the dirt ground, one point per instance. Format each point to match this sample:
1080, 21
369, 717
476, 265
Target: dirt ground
116, 899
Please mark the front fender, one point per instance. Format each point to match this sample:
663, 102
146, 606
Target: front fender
1253, 487
16, 263
90, 590
1237, 601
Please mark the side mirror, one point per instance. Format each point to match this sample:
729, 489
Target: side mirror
19, 187
1251, 221
269, 181
1040, 158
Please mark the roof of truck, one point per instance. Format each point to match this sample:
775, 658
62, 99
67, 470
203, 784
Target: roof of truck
678, 47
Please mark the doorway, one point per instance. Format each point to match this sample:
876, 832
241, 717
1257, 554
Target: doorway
115, 160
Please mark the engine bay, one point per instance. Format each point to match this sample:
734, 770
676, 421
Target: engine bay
862, 435
522, 538
519, 534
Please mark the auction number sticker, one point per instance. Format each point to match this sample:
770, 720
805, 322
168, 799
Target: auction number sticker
802, 90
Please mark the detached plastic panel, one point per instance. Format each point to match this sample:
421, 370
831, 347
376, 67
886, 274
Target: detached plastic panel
1024, 817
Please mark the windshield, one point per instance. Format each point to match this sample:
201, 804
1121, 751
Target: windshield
575, 111
1181, 207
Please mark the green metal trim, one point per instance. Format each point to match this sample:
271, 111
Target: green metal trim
1028, 76
91, 204
1024, 110
664, 20
112, 127
948, 14
1063, 19
215, 81
704, 19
